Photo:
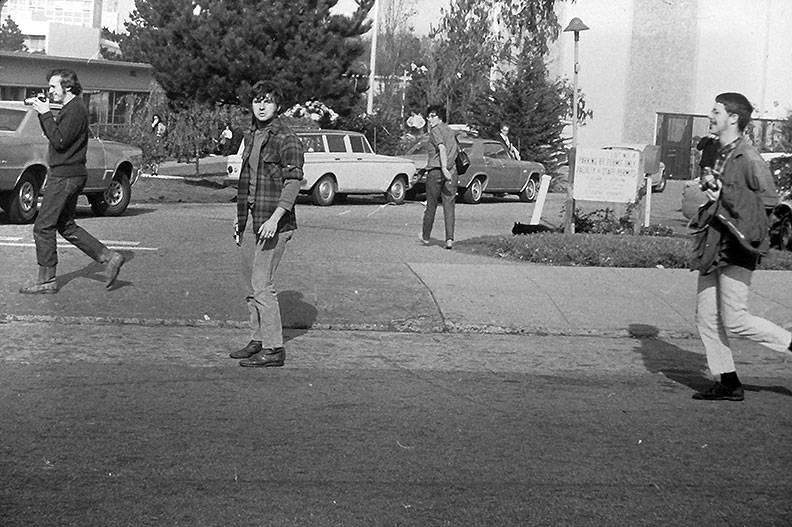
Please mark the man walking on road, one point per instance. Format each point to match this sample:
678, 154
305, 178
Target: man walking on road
441, 177
732, 236
68, 145
269, 181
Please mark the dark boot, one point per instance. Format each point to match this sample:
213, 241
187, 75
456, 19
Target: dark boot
268, 359
253, 347
45, 285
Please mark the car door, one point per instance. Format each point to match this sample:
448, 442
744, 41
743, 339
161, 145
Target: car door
340, 161
371, 173
498, 173
99, 174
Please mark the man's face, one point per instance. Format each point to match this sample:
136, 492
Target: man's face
264, 107
56, 92
505, 130
719, 119
433, 119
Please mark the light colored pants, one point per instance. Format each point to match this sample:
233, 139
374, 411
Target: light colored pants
260, 261
721, 307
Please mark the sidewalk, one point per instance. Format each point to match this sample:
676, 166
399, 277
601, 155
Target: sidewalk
474, 297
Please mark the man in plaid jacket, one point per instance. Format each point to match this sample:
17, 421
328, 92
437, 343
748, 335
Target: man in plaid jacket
269, 181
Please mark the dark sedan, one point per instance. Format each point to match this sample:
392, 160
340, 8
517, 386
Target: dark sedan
492, 170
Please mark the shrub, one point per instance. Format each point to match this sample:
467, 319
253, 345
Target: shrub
600, 250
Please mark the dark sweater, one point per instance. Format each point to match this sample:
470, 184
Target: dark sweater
68, 138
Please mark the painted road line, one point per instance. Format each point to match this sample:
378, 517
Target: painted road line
70, 246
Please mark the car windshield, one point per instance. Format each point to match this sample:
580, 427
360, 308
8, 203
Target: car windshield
10, 119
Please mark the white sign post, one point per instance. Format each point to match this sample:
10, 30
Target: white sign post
607, 175
544, 186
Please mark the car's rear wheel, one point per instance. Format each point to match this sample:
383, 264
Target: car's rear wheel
472, 194
114, 200
397, 191
21, 203
324, 191
531, 191
785, 233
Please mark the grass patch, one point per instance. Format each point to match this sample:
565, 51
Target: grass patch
600, 250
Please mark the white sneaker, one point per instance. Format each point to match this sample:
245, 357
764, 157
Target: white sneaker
424, 240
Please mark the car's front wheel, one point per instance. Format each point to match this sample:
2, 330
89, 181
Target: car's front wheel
531, 191
114, 200
21, 203
397, 191
472, 194
324, 191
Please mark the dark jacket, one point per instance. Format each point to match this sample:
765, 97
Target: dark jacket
734, 230
68, 139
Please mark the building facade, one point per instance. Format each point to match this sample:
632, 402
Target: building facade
110, 88
643, 60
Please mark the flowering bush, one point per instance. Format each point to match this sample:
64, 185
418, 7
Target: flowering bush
316, 111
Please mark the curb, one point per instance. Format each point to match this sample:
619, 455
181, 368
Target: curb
643, 332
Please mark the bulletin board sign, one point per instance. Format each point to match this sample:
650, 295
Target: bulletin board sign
607, 175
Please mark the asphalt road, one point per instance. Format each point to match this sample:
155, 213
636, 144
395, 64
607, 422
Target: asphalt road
147, 422
156, 426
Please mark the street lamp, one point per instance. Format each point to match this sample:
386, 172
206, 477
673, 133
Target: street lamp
575, 25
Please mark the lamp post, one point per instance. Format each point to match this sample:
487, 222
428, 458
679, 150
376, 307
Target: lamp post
373, 60
575, 25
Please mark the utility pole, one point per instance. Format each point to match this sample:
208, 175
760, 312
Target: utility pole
373, 60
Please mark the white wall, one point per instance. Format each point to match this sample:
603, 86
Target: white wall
604, 61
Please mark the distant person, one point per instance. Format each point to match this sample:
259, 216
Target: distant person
441, 176
503, 135
269, 181
158, 127
732, 237
68, 146
224, 144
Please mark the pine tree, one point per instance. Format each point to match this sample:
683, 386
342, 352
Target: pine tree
214, 50
534, 107
11, 38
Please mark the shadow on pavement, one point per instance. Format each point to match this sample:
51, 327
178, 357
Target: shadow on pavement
95, 271
680, 365
296, 314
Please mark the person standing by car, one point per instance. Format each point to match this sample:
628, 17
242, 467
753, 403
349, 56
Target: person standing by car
269, 181
504, 138
732, 236
441, 176
68, 144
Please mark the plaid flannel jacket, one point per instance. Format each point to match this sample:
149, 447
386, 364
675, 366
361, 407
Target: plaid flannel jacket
278, 176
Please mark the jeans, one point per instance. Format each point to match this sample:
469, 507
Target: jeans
260, 261
57, 216
722, 299
437, 188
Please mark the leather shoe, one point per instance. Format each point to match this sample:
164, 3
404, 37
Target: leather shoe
45, 288
270, 358
113, 268
253, 347
720, 392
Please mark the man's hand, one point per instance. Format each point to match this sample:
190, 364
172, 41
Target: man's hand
268, 228
237, 234
40, 106
714, 194
446, 173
